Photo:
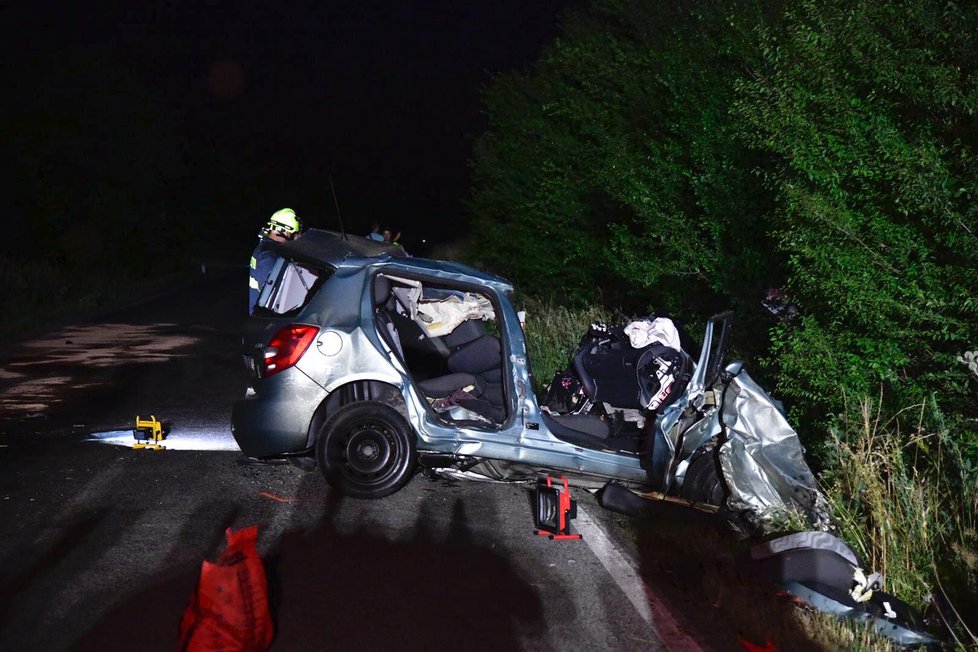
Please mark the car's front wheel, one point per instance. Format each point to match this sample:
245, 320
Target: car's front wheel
704, 480
366, 450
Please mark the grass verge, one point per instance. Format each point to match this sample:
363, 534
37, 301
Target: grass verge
907, 503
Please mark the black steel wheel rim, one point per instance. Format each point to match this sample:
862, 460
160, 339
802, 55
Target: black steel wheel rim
369, 452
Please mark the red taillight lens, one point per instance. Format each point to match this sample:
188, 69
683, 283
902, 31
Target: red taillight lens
287, 346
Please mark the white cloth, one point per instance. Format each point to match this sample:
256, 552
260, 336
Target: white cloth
643, 332
441, 317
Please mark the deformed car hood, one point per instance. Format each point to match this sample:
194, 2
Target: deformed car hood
762, 459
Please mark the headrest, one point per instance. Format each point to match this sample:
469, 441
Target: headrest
468, 331
382, 290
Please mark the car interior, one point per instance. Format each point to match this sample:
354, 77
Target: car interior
443, 337
294, 285
612, 383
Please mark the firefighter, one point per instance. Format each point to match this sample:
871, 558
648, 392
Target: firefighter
281, 227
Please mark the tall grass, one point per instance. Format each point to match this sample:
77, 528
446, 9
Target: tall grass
552, 334
906, 500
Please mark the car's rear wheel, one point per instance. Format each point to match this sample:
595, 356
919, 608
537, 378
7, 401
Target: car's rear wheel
366, 450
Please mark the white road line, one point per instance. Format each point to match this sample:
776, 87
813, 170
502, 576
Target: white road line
618, 565
622, 569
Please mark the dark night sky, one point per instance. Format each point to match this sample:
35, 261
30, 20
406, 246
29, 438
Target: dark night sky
383, 96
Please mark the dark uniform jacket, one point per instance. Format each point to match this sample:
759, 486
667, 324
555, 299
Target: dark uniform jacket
262, 260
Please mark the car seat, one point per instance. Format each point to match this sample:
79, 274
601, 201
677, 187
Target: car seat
625, 377
482, 357
457, 383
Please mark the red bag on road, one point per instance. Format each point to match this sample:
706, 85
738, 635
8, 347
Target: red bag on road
229, 610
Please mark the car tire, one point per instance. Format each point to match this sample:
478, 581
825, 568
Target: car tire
367, 450
703, 481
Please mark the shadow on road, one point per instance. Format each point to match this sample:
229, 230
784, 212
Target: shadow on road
699, 565
358, 591
60, 544
361, 591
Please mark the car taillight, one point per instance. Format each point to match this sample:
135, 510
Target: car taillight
287, 346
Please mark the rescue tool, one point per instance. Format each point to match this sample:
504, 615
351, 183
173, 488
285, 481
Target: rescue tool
148, 434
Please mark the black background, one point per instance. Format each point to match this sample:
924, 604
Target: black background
237, 109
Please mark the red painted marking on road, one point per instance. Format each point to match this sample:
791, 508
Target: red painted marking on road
671, 631
279, 499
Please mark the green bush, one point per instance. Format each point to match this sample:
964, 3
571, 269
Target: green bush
612, 163
688, 156
553, 332
867, 114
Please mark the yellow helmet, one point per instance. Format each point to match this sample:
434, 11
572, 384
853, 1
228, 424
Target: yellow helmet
285, 221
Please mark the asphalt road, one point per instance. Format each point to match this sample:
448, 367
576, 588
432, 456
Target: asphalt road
101, 545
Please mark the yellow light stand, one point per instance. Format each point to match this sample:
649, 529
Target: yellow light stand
149, 434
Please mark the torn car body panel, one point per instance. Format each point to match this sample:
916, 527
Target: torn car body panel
761, 456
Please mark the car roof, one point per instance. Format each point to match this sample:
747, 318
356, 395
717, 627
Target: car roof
319, 247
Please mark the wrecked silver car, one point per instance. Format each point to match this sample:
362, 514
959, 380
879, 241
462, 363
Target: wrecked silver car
372, 365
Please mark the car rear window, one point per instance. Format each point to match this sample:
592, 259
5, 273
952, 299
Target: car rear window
292, 286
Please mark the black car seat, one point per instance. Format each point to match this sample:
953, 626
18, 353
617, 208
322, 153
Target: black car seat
441, 386
382, 297
482, 357
626, 377
591, 431
413, 337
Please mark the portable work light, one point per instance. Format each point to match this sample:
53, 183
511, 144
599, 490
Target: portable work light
554, 511
148, 434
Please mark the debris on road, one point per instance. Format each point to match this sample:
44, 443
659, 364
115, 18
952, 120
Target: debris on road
825, 574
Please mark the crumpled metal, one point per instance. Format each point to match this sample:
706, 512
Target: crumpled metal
762, 459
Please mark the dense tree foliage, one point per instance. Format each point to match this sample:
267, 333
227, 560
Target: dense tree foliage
868, 114
612, 164
699, 154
